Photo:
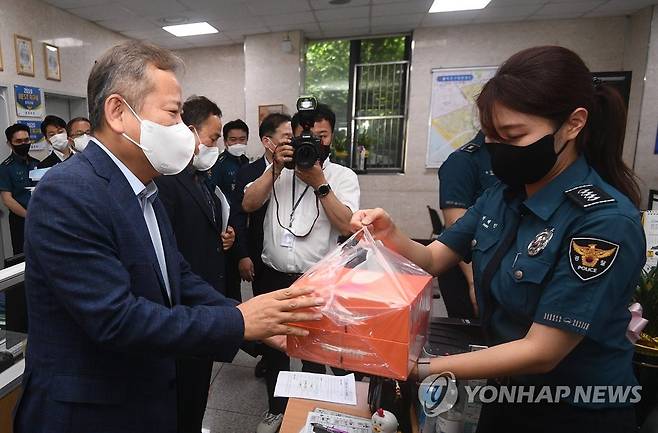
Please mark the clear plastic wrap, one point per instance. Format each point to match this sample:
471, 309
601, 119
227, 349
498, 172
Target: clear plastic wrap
376, 313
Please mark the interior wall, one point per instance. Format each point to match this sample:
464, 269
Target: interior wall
272, 77
600, 41
81, 43
217, 73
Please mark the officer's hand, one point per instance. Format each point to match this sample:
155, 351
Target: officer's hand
378, 222
246, 267
474, 300
283, 154
278, 342
269, 314
313, 177
228, 238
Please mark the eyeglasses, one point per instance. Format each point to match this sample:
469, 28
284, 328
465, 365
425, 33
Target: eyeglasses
24, 141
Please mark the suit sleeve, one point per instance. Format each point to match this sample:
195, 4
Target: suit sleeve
71, 233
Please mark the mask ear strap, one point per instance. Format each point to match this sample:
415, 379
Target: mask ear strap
131, 109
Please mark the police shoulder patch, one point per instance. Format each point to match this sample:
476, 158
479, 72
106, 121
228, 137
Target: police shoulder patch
470, 147
9, 160
586, 196
591, 257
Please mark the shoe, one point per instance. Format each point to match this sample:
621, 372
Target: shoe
261, 368
270, 424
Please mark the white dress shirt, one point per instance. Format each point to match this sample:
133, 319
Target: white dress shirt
146, 195
290, 254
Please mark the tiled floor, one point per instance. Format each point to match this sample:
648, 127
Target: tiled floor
237, 398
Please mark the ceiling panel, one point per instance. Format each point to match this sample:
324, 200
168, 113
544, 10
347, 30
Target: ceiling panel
142, 19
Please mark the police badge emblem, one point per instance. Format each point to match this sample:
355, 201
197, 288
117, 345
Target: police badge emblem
540, 241
591, 257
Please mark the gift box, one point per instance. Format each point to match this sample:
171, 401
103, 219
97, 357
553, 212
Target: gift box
376, 314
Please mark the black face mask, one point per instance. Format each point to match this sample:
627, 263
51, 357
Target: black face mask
21, 149
523, 165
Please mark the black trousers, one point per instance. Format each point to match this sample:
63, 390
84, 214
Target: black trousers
275, 360
232, 278
17, 230
554, 417
192, 384
454, 291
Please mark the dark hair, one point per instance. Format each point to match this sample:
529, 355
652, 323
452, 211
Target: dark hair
269, 125
51, 120
551, 82
197, 109
324, 112
69, 125
295, 122
235, 124
13, 129
122, 70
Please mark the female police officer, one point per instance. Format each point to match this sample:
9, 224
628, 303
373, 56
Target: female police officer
556, 248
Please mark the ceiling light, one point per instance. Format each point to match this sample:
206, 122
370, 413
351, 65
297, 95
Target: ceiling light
457, 5
191, 29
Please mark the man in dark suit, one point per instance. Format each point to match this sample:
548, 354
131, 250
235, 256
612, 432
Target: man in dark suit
196, 217
104, 338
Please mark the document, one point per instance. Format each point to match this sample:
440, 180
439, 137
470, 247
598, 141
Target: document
312, 386
226, 208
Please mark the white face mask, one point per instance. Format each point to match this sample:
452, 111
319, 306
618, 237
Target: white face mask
59, 141
206, 157
237, 149
80, 143
168, 148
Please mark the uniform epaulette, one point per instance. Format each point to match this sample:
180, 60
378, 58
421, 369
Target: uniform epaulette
9, 160
587, 196
221, 158
470, 147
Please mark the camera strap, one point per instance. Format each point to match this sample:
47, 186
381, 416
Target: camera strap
295, 204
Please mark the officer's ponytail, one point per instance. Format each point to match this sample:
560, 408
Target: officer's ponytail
551, 82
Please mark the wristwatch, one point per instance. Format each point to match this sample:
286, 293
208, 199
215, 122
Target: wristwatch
323, 190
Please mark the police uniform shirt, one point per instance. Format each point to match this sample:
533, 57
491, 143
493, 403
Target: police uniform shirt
465, 175
14, 177
286, 253
223, 173
574, 266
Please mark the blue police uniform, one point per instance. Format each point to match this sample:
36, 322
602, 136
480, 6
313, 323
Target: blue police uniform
574, 253
223, 173
14, 177
465, 175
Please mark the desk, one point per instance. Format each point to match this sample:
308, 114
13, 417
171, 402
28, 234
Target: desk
297, 410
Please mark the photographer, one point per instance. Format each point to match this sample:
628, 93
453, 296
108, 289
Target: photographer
308, 209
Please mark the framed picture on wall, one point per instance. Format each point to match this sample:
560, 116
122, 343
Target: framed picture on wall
264, 110
51, 60
24, 56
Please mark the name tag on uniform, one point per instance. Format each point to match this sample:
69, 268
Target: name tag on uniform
287, 239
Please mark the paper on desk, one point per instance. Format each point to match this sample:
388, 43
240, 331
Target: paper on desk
339, 421
226, 208
312, 386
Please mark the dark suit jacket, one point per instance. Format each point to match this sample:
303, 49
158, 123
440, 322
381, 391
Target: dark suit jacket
50, 161
248, 226
198, 237
102, 337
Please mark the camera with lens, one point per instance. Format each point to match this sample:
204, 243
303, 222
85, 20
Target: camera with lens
307, 147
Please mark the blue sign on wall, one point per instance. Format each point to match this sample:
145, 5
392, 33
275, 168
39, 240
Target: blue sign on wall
459, 77
29, 101
35, 129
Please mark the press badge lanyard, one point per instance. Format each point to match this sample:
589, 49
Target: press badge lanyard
295, 204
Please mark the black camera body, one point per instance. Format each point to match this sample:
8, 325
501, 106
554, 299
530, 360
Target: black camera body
306, 147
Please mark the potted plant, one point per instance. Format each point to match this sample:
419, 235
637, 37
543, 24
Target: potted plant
646, 347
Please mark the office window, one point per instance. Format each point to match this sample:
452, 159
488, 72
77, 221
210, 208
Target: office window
365, 82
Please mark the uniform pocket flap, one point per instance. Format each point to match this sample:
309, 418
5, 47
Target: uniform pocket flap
529, 270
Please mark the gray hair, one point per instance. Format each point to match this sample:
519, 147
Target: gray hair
122, 70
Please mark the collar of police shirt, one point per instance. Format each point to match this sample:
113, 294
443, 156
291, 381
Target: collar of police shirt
289, 254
